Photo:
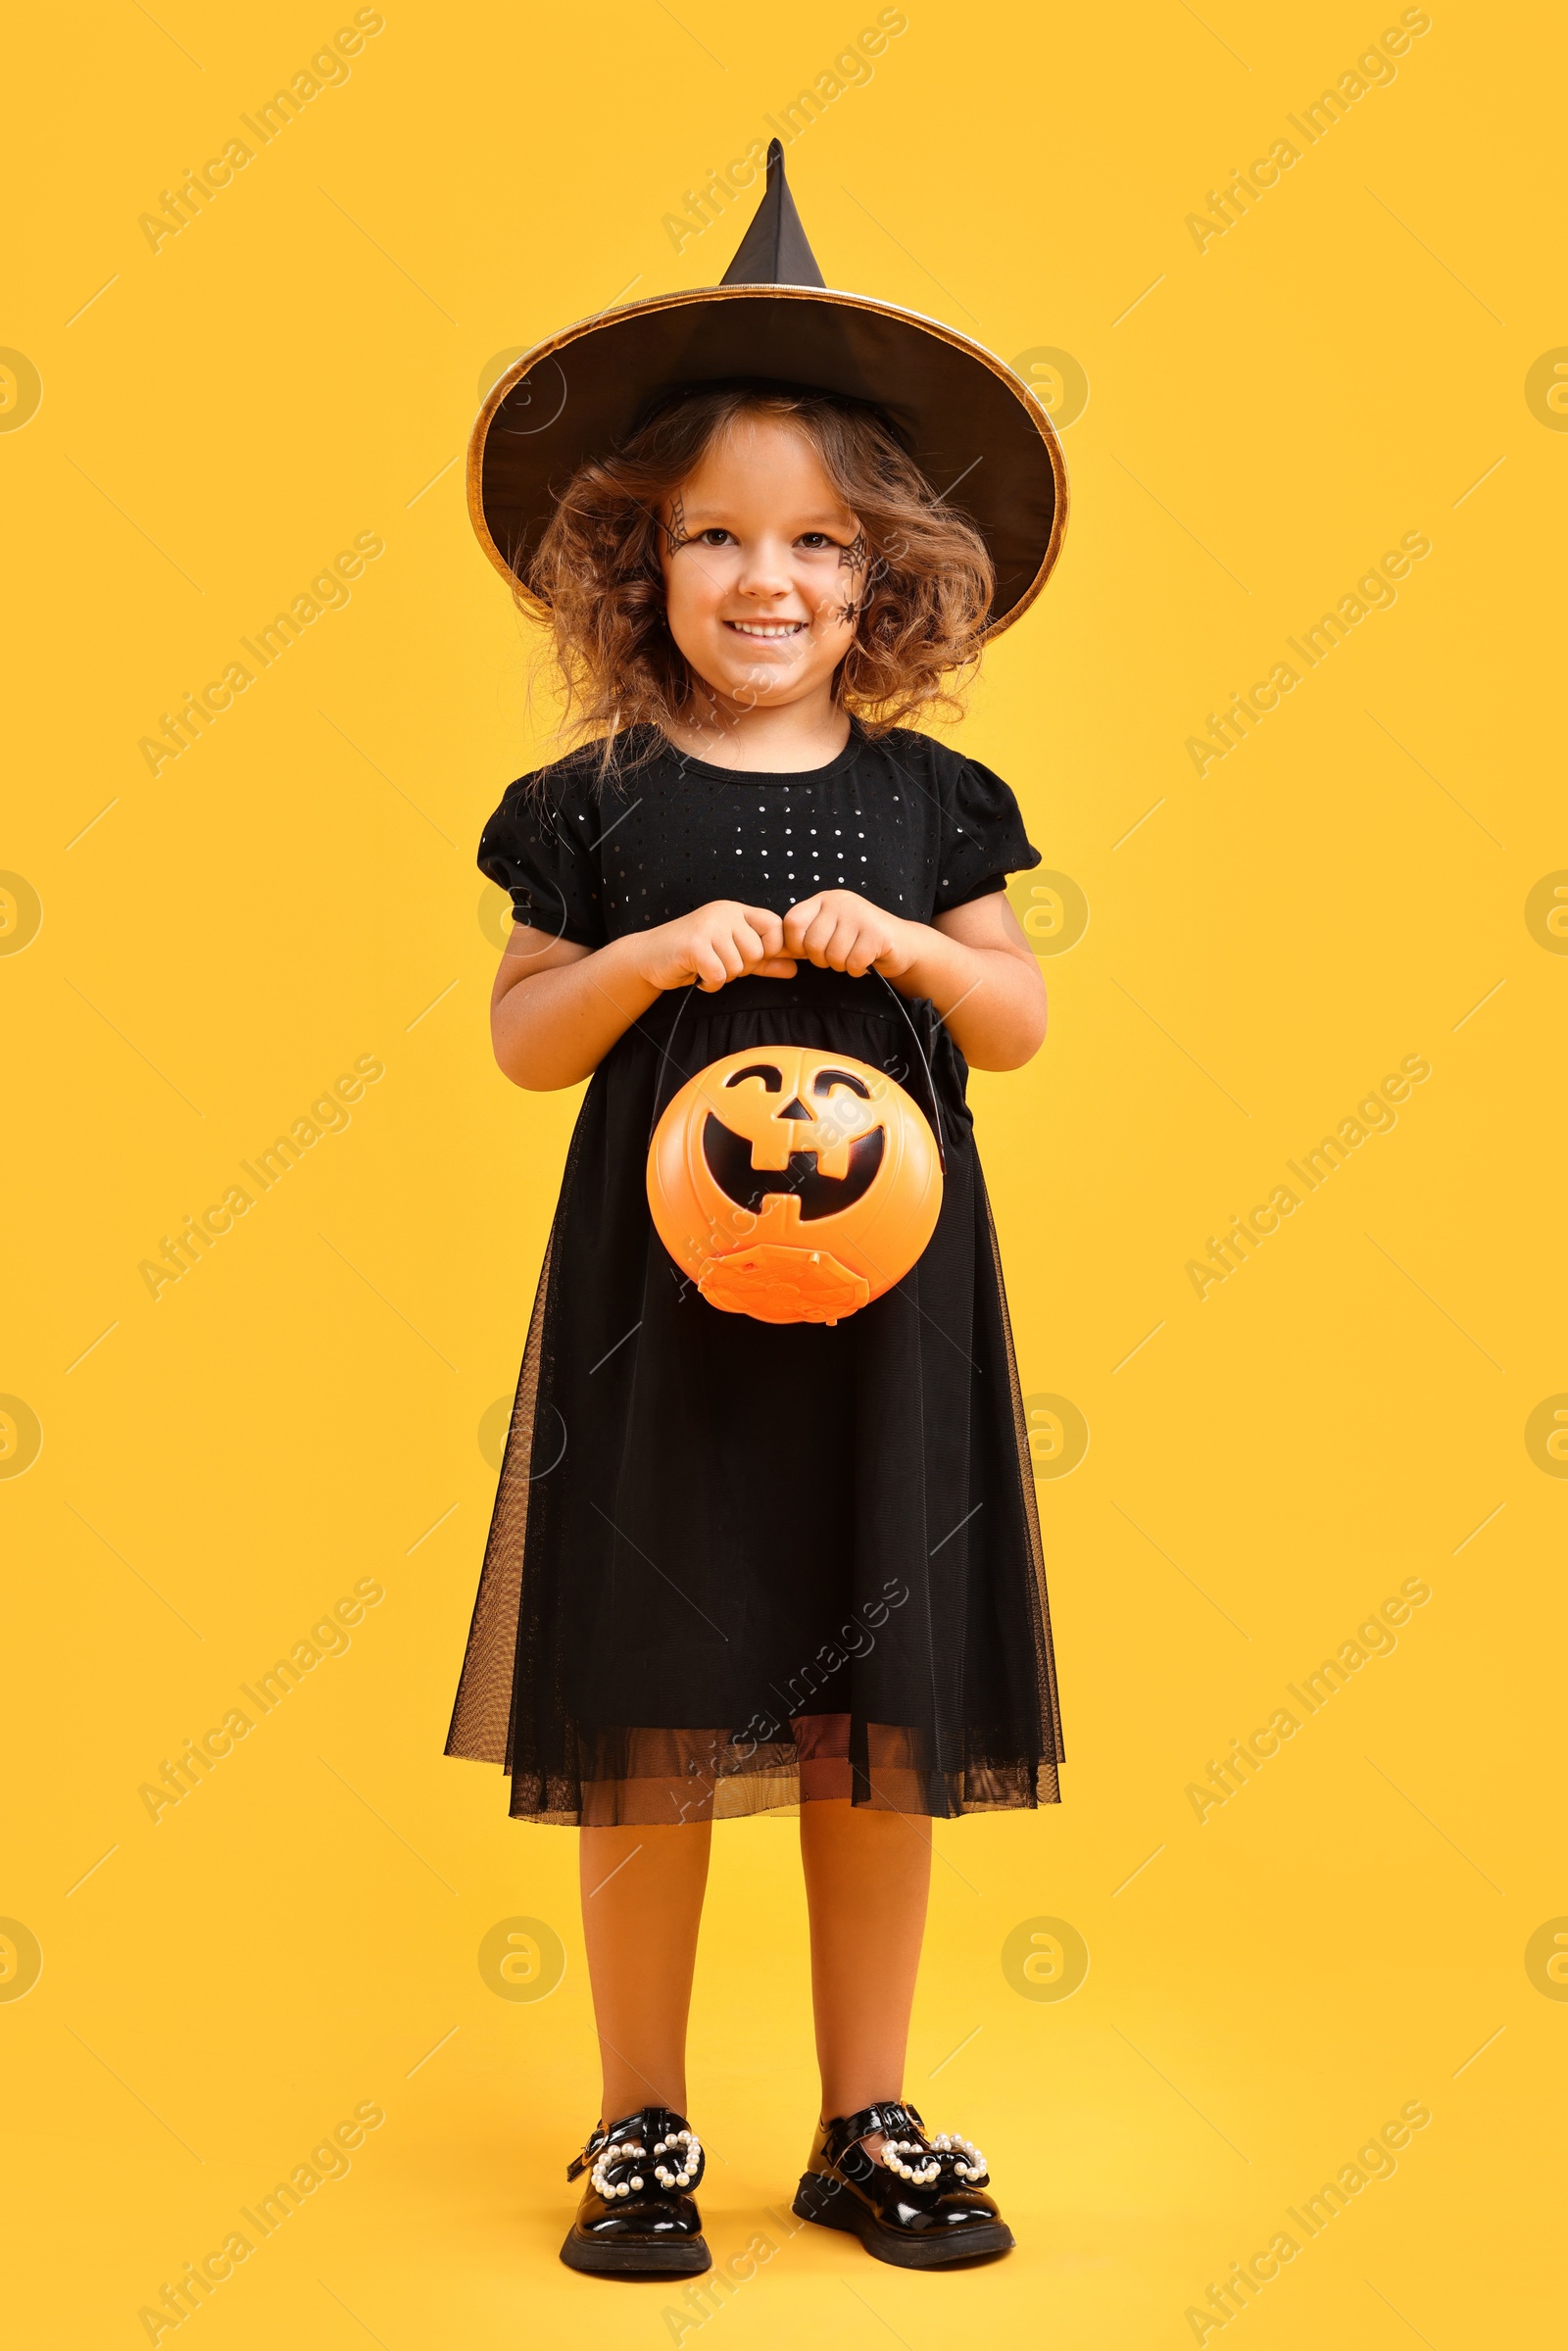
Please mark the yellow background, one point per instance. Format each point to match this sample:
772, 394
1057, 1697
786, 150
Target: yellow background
302, 1410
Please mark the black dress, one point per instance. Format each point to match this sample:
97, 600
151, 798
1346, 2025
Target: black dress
734, 1564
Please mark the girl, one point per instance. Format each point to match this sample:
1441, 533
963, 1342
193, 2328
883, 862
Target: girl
737, 1564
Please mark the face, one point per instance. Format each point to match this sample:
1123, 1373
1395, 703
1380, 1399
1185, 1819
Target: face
763, 565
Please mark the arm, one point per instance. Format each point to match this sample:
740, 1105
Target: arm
973, 962
558, 1008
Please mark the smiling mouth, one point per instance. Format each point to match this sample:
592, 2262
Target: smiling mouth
729, 1163
767, 630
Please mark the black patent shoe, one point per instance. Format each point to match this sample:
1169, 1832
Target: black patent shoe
637, 2214
919, 2203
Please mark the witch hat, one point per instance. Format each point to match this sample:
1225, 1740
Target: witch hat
975, 429
775, 252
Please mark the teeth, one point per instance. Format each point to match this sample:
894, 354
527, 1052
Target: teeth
747, 629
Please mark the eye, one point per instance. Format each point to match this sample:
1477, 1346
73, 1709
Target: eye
827, 1079
815, 541
771, 1078
713, 536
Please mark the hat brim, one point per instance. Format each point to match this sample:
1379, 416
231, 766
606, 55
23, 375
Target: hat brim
975, 429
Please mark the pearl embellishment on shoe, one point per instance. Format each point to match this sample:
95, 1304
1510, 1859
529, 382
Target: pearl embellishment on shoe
687, 2161
619, 2151
964, 2157
894, 2150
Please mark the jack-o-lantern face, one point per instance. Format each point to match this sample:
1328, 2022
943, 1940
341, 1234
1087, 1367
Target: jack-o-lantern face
794, 1185
741, 1163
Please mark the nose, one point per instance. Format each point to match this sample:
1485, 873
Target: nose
764, 572
795, 1109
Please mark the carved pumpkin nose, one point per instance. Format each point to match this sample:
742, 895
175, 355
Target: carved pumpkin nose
795, 1109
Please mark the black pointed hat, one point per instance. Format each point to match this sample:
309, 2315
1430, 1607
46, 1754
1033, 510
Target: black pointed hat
975, 429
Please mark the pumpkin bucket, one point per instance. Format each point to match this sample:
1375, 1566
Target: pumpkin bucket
793, 1184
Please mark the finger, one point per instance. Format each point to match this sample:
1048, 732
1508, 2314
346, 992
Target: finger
758, 941
817, 933
769, 928
798, 922
730, 955
842, 944
863, 955
776, 967
711, 972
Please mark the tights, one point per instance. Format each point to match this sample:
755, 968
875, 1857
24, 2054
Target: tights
867, 1878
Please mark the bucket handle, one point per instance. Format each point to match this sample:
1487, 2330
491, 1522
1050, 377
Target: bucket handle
668, 1051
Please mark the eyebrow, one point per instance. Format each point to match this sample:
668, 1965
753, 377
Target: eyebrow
833, 521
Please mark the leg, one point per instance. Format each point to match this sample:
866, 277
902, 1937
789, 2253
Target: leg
642, 1901
867, 1877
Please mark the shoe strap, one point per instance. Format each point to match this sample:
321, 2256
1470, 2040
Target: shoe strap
648, 2123
893, 2120
842, 2137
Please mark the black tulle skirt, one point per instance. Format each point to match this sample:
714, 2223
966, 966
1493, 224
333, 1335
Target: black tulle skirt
736, 1564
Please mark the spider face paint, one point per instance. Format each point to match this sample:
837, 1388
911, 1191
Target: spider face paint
854, 558
675, 533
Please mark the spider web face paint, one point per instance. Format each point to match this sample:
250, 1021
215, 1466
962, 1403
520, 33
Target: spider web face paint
854, 558
677, 535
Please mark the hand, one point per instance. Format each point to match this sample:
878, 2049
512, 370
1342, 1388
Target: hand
715, 944
839, 931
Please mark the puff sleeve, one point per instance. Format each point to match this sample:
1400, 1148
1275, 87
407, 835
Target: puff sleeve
543, 848
983, 837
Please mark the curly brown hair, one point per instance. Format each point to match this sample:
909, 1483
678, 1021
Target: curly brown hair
923, 611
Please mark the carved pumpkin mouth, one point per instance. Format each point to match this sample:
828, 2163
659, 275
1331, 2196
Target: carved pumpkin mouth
729, 1162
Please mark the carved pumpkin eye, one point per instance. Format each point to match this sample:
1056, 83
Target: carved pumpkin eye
771, 1078
827, 1079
